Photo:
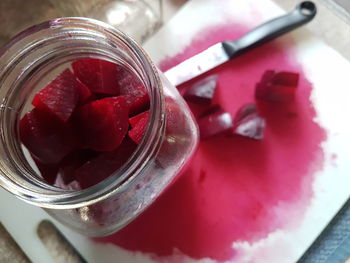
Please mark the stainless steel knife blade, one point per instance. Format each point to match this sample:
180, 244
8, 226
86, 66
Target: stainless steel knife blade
224, 51
198, 64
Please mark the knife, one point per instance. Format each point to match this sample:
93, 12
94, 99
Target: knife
226, 50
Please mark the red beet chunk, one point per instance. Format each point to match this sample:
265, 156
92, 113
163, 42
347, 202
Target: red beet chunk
245, 111
252, 127
248, 123
277, 86
72, 162
84, 92
274, 93
137, 98
210, 111
60, 96
284, 78
139, 125
134, 120
45, 137
47, 171
202, 92
125, 77
267, 76
214, 124
98, 75
135, 93
109, 77
99, 168
88, 72
103, 123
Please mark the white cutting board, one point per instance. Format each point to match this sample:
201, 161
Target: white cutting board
331, 97
327, 70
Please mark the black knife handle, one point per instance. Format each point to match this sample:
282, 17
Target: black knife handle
303, 13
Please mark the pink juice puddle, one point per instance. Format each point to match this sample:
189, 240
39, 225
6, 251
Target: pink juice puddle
233, 186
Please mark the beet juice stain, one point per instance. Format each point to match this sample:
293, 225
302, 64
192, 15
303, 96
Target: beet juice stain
233, 185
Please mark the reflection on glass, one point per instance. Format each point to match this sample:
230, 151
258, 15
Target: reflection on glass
138, 18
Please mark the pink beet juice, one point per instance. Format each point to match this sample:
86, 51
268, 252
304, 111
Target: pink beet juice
237, 188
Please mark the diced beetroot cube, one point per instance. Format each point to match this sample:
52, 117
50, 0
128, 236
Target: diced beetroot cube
99, 168
45, 137
139, 125
245, 111
47, 171
125, 77
84, 92
72, 162
202, 92
135, 93
277, 86
88, 71
103, 123
214, 124
210, 111
275, 93
137, 98
134, 120
98, 75
267, 76
248, 123
252, 127
60, 96
109, 77
285, 78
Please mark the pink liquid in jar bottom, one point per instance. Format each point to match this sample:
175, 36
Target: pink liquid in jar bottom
236, 189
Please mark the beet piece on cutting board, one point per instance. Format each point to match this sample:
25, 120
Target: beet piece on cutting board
248, 123
277, 86
214, 122
202, 92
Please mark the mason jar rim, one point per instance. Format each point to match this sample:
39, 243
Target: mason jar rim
34, 38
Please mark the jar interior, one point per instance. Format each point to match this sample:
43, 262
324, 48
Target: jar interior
38, 81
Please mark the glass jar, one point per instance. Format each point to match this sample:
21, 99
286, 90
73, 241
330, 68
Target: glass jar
28, 63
